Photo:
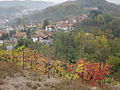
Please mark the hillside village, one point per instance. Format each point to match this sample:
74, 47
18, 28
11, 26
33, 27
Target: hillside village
66, 24
74, 45
36, 32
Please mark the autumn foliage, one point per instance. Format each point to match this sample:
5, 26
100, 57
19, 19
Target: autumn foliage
88, 72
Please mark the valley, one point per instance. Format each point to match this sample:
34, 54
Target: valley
57, 45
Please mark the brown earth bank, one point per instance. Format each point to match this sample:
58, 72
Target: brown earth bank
13, 77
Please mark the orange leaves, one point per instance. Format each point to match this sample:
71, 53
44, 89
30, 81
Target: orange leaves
90, 72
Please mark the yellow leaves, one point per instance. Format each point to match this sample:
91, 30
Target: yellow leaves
80, 68
68, 76
80, 65
21, 48
73, 73
34, 60
103, 41
71, 76
60, 68
75, 76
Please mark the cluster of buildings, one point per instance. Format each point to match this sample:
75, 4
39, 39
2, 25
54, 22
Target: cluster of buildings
29, 26
20, 32
66, 24
3, 34
43, 36
38, 34
60, 27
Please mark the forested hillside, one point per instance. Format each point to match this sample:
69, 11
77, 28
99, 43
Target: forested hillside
71, 8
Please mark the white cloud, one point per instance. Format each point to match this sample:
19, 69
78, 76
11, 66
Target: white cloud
114, 1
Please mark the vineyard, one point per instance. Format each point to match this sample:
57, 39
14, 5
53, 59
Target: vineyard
88, 72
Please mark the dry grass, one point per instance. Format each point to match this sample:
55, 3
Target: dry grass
8, 69
66, 85
71, 85
28, 79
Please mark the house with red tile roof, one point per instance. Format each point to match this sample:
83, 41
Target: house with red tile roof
60, 27
65, 27
50, 27
73, 20
42, 36
20, 35
66, 24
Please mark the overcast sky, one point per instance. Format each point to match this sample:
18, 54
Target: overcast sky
60, 1
56, 1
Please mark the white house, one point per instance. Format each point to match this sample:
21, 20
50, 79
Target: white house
60, 27
65, 27
44, 37
50, 27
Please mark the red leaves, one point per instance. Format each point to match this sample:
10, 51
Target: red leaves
92, 71
100, 78
70, 70
71, 66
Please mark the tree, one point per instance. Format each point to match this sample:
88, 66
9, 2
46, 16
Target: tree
94, 13
116, 31
45, 23
98, 46
64, 46
29, 33
100, 19
19, 21
24, 42
13, 32
114, 58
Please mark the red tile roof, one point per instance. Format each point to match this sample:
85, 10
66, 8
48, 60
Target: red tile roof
42, 34
20, 34
70, 24
66, 25
50, 26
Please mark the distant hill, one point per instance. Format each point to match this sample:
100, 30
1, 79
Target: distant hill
4, 12
26, 4
8, 8
72, 7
